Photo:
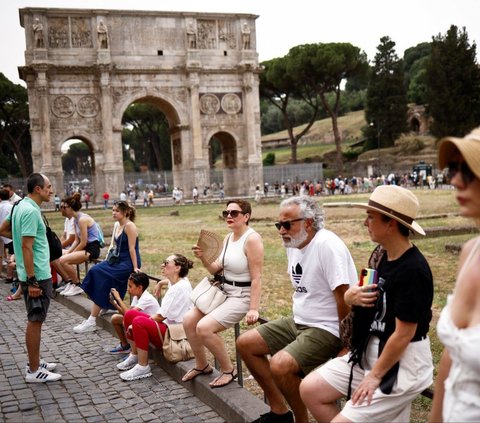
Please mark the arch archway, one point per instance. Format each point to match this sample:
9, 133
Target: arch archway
195, 67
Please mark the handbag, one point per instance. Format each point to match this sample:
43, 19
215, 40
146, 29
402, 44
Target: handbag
175, 344
113, 255
209, 294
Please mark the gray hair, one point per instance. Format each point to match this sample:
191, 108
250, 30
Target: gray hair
309, 209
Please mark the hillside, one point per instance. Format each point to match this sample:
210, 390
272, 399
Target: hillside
318, 145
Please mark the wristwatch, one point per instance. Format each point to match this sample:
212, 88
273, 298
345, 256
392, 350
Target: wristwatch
32, 280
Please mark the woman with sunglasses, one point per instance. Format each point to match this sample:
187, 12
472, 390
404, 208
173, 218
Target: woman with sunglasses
240, 264
85, 247
457, 387
142, 329
104, 276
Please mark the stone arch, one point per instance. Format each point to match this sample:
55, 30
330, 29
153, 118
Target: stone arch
193, 66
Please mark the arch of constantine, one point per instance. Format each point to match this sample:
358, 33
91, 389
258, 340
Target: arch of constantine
84, 68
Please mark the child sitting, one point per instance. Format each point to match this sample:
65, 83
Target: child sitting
142, 301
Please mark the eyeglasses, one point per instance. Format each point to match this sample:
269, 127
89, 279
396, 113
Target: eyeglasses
467, 175
287, 224
233, 213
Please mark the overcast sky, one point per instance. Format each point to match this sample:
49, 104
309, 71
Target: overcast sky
282, 24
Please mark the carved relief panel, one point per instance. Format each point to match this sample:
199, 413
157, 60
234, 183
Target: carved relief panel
69, 32
206, 34
213, 103
226, 35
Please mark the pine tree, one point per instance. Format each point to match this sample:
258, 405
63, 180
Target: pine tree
386, 104
453, 84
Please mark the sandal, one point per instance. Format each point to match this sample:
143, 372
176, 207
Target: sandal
12, 298
232, 374
199, 372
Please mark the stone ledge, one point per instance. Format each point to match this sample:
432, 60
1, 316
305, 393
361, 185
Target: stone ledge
233, 403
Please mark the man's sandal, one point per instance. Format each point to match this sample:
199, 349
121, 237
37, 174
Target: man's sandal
193, 373
232, 374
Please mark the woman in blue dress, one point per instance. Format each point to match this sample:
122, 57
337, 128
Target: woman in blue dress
104, 276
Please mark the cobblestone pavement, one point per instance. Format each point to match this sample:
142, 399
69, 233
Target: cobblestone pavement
90, 389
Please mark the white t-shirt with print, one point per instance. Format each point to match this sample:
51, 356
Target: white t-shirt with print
176, 301
146, 303
315, 271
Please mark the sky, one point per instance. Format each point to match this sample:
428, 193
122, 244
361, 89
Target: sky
282, 24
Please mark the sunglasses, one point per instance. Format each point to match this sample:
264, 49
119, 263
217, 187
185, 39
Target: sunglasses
64, 207
467, 175
287, 224
165, 262
233, 213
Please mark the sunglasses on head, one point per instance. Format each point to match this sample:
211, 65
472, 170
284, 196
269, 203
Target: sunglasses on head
165, 262
287, 224
467, 175
233, 213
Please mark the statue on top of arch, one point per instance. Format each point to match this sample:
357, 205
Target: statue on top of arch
102, 33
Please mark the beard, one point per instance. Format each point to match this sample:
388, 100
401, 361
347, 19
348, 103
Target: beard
297, 240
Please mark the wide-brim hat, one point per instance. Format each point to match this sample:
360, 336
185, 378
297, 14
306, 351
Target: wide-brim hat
396, 202
469, 147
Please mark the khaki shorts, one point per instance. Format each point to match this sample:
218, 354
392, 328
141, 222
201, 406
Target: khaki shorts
310, 347
235, 306
414, 375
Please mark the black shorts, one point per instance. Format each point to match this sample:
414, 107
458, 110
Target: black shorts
37, 308
93, 248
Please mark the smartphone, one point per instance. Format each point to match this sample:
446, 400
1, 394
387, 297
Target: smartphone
368, 277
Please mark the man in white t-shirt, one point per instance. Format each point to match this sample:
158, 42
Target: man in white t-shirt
321, 269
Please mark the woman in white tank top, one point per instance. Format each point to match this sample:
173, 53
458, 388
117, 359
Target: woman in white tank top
241, 261
457, 388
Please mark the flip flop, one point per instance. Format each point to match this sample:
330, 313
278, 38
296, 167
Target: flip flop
233, 375
11, 298
203, 371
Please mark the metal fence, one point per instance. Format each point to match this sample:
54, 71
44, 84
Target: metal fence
162, 181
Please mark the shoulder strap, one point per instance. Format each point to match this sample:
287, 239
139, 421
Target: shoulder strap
13, 208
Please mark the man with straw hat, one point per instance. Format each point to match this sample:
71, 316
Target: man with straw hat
391, 363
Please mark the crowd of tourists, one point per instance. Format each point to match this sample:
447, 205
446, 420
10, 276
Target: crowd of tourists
362, 337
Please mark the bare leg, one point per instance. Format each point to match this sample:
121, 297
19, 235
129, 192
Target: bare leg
319, 397
95, 310
286, 374
142, 356
253, 350
190, 321
117, 322
32, 340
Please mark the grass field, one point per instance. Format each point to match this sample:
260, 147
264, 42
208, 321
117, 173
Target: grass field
162, 234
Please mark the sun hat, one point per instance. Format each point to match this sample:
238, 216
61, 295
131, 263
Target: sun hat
469, 148
396, 202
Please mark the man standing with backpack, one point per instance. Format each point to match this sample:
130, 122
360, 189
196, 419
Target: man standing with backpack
27, 229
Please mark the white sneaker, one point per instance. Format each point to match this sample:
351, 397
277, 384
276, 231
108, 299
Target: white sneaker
63, 289
128, 363
41, 375
138, 372
85, 326
43, 365
74, 290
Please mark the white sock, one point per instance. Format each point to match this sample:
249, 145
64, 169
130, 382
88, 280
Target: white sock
142, 367
91, 319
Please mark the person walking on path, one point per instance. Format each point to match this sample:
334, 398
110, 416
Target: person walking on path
26, 226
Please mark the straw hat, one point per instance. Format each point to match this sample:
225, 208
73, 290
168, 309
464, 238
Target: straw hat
469, 148
395, 202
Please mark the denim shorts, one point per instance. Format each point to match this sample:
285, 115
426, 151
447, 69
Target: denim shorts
37, 308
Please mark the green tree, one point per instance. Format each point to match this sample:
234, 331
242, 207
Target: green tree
386, 104
453, 84
149, 136
15, 142
279, 86
319, 70
415, 67
77, 159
